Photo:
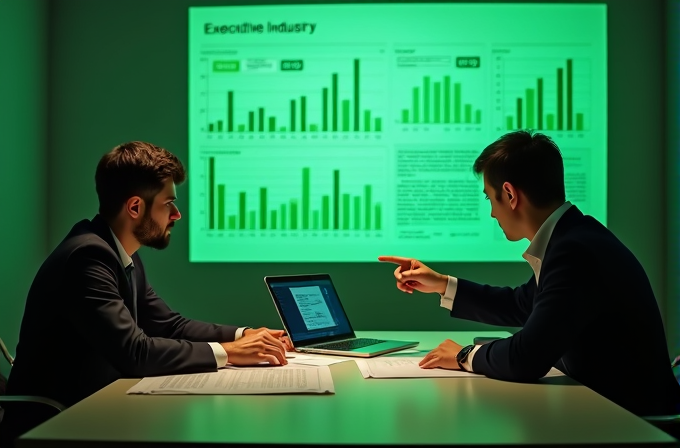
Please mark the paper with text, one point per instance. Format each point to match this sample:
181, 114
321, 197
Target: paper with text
242, 381
407, 367
313, 307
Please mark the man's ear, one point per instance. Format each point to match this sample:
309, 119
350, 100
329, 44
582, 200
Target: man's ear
511, 194
135, 207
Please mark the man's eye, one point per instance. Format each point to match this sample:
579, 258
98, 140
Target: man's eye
486, 197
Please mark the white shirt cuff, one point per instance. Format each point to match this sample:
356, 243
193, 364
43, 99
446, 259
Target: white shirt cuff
220, 353
450, 293
467, 365
239, 333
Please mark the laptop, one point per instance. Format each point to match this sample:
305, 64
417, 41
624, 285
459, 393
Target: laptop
313, 316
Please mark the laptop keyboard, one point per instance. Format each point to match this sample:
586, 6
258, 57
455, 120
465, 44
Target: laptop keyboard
350, 344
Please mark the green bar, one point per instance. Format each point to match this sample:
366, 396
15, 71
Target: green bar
303, 113
220, 207
447, 99
313, 128
242, 210
315, 217
437, 102
367, 206
211, 193
305, 198
356, 95
211, 127
272, 124
220, 125
345, 211
260, 121
253, 219
404, 116
232, 222
530, 108
509, 123
272, 219
241, 127
251, 121
336, 199
230, 111
293, 214
284, 214
378, 217
539, 103
560, 99
263, 208
579, 122
478, 116
282, 129
325, 211
457, 101
292, 115
345, 115
550, 119
416, 104
570, 94
378, 124
519, 113
357, 212
426, 99
468, 113
324, 109
367, 120
334, 98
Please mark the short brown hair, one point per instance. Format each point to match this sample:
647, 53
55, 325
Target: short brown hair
134, 169
530, 161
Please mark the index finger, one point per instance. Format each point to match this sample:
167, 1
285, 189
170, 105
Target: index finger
275, 341
394, 259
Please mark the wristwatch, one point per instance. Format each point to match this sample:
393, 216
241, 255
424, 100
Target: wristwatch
462, 355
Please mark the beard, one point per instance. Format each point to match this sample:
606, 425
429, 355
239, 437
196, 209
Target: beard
149, 233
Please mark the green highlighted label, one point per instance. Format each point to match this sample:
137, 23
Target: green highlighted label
467, 61
291, 65
226, 66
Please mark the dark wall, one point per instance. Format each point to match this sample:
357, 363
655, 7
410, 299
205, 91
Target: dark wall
23, 143
118, 72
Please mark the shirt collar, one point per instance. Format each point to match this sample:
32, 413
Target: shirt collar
124, 257
540, 242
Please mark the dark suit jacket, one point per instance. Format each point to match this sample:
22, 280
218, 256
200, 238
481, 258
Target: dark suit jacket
79, 334
592, 315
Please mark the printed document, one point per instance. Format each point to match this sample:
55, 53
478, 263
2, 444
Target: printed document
242, 381
407, 367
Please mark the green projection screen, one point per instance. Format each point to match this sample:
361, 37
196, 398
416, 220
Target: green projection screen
336, 133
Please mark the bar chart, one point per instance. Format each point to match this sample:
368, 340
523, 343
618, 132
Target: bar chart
290, 198
309, 94
440, 101
551, 94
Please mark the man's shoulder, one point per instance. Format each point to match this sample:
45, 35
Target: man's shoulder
84, 236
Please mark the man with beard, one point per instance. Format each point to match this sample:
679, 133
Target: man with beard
91, 316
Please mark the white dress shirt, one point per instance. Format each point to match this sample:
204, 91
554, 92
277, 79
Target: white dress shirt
533, 255
220, 353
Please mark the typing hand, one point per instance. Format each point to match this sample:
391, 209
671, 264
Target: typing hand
279, 334
256, 346
413, 275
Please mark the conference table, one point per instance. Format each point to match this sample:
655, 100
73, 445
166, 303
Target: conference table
471, 411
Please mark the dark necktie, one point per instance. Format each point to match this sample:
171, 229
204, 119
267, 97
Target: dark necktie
130, 273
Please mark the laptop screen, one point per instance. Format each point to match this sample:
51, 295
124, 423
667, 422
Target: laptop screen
310, 308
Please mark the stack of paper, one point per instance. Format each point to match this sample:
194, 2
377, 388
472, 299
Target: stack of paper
407, 367
242, 381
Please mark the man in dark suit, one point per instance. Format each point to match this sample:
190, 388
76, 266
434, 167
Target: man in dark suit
588, 310
91, 316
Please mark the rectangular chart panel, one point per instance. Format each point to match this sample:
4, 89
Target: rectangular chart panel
336, 133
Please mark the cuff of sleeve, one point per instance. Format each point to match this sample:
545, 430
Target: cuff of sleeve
467, 365
239, 332
450, 293
221, 357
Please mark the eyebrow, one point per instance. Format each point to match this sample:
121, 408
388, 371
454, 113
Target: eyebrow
172, 198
